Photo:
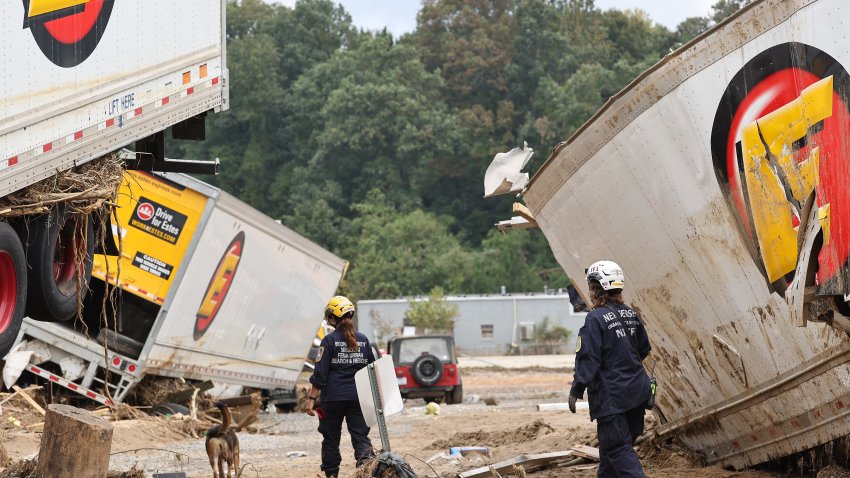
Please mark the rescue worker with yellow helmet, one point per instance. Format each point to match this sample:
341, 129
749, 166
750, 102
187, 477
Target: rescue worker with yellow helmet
341, 354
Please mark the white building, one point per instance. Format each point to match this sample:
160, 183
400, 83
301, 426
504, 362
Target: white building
486, 324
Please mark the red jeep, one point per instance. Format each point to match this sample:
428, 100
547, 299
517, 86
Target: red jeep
426, 367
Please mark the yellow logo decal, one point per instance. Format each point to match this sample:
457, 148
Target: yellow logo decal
41, 7
773, 174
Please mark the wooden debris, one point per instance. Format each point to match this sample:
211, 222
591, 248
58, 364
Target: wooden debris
557, 407
75, 443
528, 461
17, 392
182, 396
36, 426
29, 400
585, 451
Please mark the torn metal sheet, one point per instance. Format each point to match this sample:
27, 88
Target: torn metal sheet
504, 175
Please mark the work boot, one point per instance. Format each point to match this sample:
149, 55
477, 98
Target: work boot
332, 473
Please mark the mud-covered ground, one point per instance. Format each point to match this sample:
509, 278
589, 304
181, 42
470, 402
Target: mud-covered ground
288, 445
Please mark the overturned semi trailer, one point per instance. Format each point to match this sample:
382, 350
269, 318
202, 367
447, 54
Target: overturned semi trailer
719, 181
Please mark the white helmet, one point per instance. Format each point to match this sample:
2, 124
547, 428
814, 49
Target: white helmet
607, 273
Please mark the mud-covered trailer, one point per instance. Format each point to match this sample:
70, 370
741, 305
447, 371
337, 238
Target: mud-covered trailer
719, 181
206, 288
80, 80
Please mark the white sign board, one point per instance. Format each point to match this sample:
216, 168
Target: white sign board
387, 388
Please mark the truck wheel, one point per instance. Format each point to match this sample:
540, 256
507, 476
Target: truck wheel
120, 343
427, 370
13, 287
169, 409
456, 395
58, 248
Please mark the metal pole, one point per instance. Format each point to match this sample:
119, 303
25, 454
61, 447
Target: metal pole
379, 408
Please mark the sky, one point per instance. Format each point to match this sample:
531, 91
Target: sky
399, 16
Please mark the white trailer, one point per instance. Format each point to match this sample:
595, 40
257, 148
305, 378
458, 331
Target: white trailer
231, 296
81, 79
718, 180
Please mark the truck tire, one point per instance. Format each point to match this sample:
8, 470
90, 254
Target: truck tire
168, 409
58, 247
120, 343
13, 287
427, 370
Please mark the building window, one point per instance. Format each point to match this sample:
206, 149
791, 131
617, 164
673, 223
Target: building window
526, 330
487, 331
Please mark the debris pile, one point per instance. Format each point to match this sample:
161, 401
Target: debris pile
22, 409
521, 434
26, 469
84, 189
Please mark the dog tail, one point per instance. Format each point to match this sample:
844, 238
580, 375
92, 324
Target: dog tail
226, 419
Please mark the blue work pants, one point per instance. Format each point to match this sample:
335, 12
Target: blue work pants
331, 429
617, 435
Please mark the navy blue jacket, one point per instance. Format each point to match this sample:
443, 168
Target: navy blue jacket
611, 346
336, 366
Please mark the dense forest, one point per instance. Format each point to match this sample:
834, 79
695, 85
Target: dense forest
375, 147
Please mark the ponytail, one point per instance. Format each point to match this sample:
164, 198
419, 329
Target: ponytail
346, 327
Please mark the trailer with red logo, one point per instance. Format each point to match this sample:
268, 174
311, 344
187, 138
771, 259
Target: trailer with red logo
81, 80
207, 288
718, 180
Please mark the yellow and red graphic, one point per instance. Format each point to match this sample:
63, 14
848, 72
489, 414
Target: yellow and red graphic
780, 140
67, 31
219, 285
156, 221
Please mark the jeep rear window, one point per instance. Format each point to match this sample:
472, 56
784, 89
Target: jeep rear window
409, 350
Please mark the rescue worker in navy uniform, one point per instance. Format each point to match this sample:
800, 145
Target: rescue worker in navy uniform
341, 354
610, 348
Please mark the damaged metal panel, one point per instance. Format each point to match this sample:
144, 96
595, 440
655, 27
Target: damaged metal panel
725, 171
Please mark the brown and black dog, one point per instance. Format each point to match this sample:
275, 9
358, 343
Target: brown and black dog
223, 445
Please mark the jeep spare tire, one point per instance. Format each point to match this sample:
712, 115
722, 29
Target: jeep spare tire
427, 370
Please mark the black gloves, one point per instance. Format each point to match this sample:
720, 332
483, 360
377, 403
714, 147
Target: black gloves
572, 403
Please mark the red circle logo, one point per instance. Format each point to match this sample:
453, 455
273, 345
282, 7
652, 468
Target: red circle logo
145, 211
67, 32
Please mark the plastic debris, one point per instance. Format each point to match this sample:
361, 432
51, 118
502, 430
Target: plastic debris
469, 450
390, 461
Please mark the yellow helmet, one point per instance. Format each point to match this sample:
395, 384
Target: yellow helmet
338, 306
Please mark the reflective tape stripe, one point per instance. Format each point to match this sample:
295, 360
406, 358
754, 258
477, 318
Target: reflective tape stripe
118, 120
69, 385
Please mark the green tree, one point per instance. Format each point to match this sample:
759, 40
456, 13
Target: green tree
372, 114
514, 260
394, 254
690, 28
549, 333
434, 313
725, 8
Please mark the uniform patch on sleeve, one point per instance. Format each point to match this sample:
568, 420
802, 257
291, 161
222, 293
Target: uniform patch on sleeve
321, 352
578, 344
